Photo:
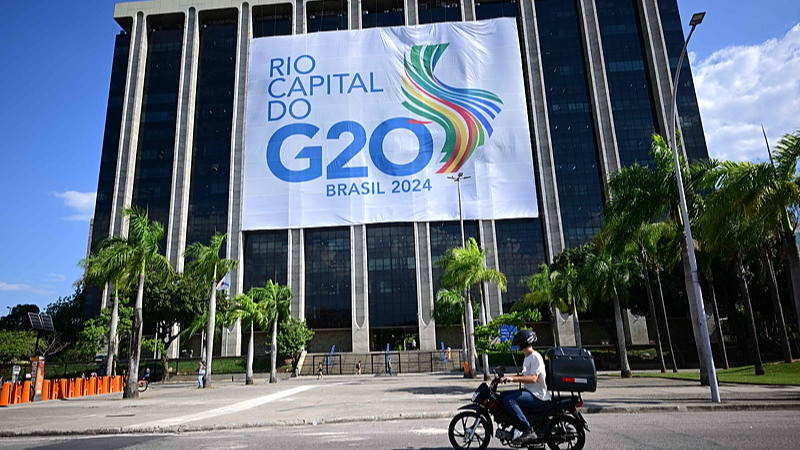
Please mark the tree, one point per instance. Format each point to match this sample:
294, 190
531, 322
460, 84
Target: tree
649, 195
252, 313
110, 265
464, 267
17, 318
275, 299
568, 287
16, 346
67, 314
145, 254
770, 194
542, 293
611, 278
96, 330
206, 266
224, 318
170, 303
488, 336
293, 335
449, 310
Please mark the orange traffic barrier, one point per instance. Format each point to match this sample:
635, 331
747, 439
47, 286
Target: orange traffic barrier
26, 392
84, 386
74, 387
109, 385
16, 395
101, 385
5, 396
54, 390
93, 386
466, 367
62, 389
120, 383
79, 387
45, 390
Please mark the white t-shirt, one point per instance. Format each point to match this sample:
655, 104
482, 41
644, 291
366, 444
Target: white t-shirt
534, 365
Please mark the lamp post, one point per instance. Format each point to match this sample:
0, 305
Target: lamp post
468, 315
696, 20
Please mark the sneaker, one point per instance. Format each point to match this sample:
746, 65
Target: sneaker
527, 436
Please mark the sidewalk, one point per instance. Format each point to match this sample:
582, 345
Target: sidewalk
183, 407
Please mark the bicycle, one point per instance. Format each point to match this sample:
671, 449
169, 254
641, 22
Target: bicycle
143, 385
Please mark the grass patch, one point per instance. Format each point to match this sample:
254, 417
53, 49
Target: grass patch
779, 373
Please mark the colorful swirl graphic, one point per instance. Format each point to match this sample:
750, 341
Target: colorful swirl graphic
464, 114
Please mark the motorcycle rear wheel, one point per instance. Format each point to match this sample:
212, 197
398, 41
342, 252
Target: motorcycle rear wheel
569, 428
469, 430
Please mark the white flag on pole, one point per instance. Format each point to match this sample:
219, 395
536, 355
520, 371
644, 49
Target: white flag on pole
225, 283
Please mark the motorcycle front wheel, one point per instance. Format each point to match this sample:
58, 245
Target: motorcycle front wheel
469, 430
570, 433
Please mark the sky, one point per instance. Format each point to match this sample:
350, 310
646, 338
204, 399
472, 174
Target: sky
56, 60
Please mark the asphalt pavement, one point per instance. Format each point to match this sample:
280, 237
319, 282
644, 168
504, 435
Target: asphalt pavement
301, 401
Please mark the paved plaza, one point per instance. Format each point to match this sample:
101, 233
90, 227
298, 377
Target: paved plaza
182, 406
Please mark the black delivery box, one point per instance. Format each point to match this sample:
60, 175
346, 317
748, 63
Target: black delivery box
570, 370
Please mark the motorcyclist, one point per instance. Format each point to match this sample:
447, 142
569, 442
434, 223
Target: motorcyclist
534, 391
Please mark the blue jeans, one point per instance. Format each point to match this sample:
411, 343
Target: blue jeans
516, 401
200, 380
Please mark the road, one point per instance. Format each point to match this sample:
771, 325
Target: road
712, 430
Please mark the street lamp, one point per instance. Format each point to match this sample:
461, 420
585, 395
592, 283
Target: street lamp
468, 315
696, 20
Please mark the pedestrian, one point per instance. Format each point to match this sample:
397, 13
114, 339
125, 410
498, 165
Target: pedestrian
147, 374
449, 354
414, 344
358, 367
201, 374
389, 366
319, 371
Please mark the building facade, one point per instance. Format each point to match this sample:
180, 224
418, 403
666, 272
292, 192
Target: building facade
597, 77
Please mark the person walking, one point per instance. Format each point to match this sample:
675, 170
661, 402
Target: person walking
201, 374
389, 366
358, 367
319, 371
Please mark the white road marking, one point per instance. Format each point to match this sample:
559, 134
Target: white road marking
429, 431
230, 409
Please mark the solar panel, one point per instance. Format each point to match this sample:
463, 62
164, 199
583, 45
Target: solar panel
47, 322
36, 321
42, 322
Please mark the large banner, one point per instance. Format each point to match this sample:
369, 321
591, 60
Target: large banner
368, 126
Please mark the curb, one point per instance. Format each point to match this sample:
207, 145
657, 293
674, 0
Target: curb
384, 418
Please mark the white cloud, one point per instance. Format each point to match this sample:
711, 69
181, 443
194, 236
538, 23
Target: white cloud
24, 288
740, 88
56, 277
82, 202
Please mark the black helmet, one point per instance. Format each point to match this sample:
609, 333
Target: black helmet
524, 338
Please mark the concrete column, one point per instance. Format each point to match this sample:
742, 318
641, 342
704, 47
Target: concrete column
467, 10
543, 150
494, 297
410, 11
540, 128
129, 134
635, 329
598, 89
354, 14
658, 61
182, 167
296, 272
360, 286
425, 294
299, 17
235, 239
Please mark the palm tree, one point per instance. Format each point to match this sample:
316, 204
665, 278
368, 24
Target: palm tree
207, 265
275, 299
542, 293
610, 278
109, 265
647, 196
729, 233
464, 267
252, 313
145, 254
770, 193
449, 310
224, 318
569, 288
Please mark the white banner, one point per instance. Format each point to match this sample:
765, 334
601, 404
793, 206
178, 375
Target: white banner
367, 126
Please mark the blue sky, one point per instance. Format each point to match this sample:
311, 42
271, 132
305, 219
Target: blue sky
56, 60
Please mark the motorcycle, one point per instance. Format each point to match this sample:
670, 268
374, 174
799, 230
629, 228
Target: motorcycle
558, 423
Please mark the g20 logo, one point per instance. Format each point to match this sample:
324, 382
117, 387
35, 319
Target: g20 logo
338, 169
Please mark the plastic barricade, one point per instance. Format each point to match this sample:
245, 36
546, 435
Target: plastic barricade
5, 394
101, 385
45, 390
78, 390
93, 386
62, 389
109, 385
26, 392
